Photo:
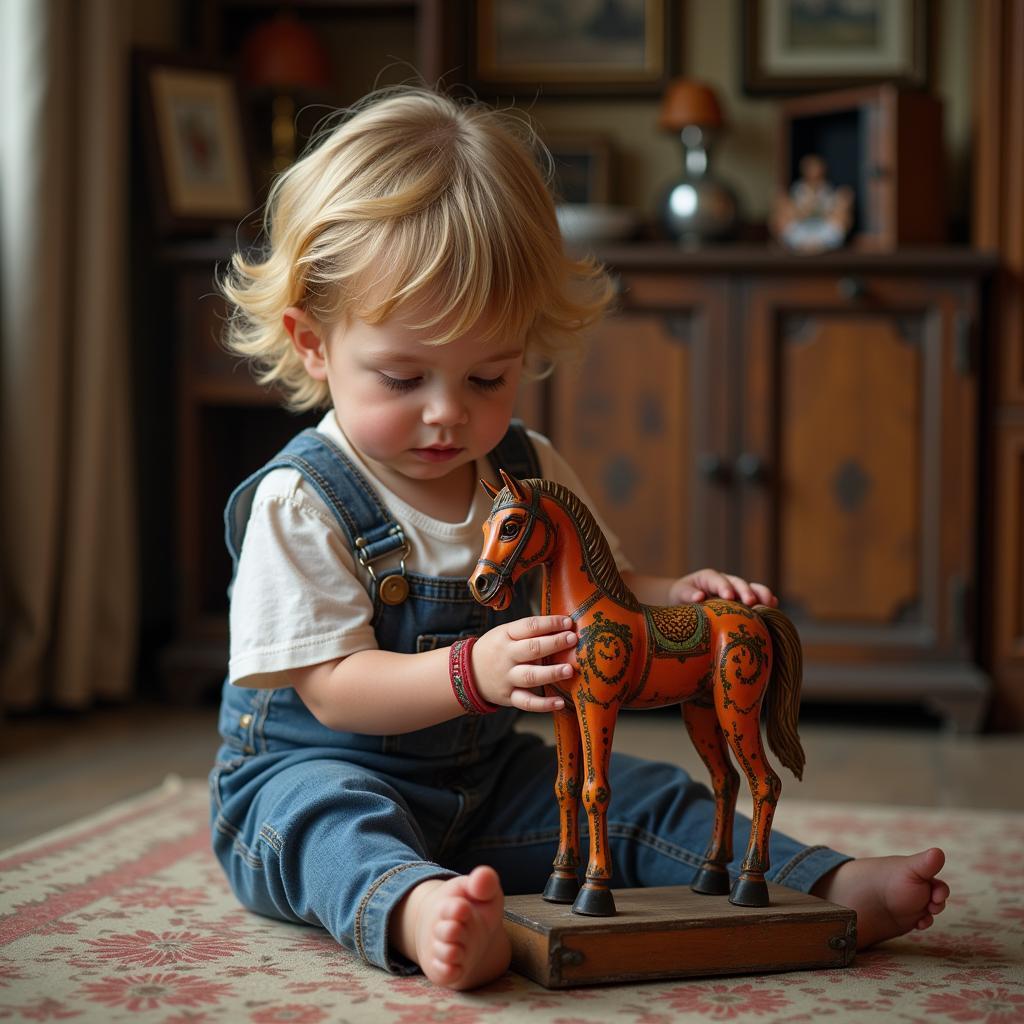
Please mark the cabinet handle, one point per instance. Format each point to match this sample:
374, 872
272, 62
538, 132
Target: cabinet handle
751, 468
714, 468
852, 288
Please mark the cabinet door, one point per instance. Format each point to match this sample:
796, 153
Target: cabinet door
633, 417
856, 464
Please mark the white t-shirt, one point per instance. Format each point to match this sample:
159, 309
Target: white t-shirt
299, 596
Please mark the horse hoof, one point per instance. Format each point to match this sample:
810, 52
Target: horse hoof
711, 880
594, 902
561, 888
749, 892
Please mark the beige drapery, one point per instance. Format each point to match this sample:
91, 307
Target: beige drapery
67, 538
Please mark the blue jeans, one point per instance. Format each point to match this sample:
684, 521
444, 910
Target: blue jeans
340, 841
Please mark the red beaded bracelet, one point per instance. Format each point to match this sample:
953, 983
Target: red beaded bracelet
460, 672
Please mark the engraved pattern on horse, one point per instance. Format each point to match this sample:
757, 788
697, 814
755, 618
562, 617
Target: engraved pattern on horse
605, 656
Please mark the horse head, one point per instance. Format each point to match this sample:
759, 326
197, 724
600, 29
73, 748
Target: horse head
518, 535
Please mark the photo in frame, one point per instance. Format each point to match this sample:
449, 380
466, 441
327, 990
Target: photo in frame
573, 48
198, 154
582, 168
796, 46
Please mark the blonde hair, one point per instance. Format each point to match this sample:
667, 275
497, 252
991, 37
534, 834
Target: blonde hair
418, 202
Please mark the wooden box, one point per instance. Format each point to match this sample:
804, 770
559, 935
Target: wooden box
671, 932
883, 142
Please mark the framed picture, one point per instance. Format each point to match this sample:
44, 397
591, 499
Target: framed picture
199, 160
792, 46
573, 47
582, 168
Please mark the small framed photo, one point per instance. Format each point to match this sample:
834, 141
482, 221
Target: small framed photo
795, 46
199, 159
569, 48
582, 168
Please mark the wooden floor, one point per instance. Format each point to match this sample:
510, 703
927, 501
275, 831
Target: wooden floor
56, 769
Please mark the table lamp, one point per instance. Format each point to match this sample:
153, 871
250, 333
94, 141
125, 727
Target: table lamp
696, 208
284, 56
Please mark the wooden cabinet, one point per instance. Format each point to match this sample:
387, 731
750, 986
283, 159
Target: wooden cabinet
812, 424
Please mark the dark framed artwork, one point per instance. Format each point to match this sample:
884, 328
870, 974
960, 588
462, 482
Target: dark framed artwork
198, 152
573, 48
794, 46
582, 168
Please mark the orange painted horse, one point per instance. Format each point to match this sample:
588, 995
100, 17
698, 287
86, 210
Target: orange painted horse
718, 659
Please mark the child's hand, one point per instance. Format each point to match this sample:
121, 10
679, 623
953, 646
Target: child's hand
507, 661
705, 583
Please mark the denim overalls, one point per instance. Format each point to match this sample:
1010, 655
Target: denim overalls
336, 828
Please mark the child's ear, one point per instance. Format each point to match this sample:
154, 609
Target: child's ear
308, 341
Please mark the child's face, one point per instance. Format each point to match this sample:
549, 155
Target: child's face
421, 411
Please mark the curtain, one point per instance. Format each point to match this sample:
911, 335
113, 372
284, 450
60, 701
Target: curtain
67, 536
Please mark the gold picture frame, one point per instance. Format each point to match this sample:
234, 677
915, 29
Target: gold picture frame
796, 46
559, 47
197, 144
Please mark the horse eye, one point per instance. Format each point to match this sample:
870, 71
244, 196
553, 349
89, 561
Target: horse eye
509, 529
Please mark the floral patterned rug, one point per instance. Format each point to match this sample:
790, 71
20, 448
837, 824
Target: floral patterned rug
125, 916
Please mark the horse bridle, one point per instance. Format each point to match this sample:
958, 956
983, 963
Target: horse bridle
534, 514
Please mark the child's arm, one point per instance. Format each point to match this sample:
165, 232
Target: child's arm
382, 693
697, 586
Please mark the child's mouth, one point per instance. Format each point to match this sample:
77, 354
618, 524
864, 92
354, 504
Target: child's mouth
436, 454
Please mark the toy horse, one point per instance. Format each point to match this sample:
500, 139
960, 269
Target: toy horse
718, 659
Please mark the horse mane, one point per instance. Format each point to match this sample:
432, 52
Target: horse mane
598, 554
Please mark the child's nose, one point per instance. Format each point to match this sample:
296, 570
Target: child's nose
445, 408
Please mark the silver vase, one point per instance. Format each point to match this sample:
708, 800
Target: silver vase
698, 208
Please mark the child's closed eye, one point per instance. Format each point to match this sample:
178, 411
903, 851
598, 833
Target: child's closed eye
404, 384
488, 383
399, 383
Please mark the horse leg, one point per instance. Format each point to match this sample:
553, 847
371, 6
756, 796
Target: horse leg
743, 731
564, 884
702, 725
597, 725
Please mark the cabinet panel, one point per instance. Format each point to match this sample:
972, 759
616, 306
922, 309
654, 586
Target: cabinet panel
849, 431
621, 421
862, 411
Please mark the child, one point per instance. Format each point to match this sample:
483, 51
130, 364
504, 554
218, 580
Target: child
413, 266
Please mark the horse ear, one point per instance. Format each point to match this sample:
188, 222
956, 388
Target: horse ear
489, 489
512, 484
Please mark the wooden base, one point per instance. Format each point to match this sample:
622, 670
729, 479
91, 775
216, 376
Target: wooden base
671, 932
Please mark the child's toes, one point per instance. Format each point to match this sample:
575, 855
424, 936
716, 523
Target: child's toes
928, 863
448, 931
450, 953
483, 884
457, 910
444, 973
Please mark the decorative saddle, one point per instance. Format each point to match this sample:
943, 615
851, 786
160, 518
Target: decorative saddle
679, 629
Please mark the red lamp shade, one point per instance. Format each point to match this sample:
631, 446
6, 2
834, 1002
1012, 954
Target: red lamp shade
284, 53
688, 101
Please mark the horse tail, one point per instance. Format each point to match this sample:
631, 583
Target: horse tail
783, 693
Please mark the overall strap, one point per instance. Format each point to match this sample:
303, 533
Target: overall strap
515, 453
371, 529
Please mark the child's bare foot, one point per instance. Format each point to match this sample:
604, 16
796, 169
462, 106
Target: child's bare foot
892, 895
452, 928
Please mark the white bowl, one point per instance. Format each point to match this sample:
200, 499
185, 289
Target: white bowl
595, 222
